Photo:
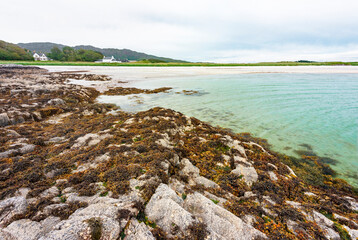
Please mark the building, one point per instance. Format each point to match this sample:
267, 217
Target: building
109, 59
40, 57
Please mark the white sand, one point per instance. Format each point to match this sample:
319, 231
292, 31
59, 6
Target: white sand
140, 73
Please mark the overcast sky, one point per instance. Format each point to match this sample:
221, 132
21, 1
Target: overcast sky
194, 30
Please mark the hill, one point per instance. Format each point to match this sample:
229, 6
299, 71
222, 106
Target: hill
122, 54
9, 51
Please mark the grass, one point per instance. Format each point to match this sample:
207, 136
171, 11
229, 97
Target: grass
172, 64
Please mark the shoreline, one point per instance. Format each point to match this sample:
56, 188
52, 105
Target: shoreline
61, 147
134, 77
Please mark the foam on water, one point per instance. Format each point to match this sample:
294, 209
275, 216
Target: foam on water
297, 113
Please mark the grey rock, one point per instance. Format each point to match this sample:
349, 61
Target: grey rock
352, 232
164, 208
10, 207
218, 220
4, 119
25, 229
272, 176
56, 139
138, 231
189, 169
326, 225
78, 226
205, 182
26, 148
353, 202
50, 193
249, 173
56, 102
12, 133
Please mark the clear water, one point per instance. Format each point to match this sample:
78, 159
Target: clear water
293, 111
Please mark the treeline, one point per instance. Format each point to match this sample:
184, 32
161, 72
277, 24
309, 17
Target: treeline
9, 51
69, 54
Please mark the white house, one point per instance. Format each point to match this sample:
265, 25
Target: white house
40, 57
109, 59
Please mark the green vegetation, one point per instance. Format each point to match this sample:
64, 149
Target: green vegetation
151, 60
119, 54
9, 51
69, 54
174, 64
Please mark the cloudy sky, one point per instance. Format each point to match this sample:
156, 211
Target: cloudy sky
194, 30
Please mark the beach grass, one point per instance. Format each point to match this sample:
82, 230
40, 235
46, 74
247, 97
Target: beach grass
187, 64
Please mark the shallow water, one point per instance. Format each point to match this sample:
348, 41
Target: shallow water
294, 111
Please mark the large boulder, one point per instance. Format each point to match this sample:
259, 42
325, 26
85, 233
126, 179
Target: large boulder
11, 207
25, 229
221, 223
97, 219
165, 209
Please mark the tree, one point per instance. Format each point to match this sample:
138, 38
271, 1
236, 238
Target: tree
56, 54
70, 54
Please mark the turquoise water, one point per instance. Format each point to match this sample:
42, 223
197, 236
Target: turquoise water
295, 112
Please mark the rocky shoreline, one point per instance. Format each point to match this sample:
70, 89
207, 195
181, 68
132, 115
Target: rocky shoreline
72, 168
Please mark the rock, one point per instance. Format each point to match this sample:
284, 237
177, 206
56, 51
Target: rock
353, 202
220, 222
272, 176
25, 229
249, 194
269, 200
89, 139
12, 133
80, 223
272, 165
26, 148
352, 232
235, 144
50, 193
176, 185
6, 235
249, 173
165, 209
56, 102
205, 182
164, 142
189, 169
326, 225
292, 173
249, 219
296, 205
138, 231
56, 140
310, 194
11, 207
36, 116
4, 119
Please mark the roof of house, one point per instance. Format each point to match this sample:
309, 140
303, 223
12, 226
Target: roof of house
109, 58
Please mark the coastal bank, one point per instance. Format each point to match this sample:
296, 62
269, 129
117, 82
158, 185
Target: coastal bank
72, 168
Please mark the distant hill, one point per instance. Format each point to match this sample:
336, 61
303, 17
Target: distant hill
9, 51
120, 54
